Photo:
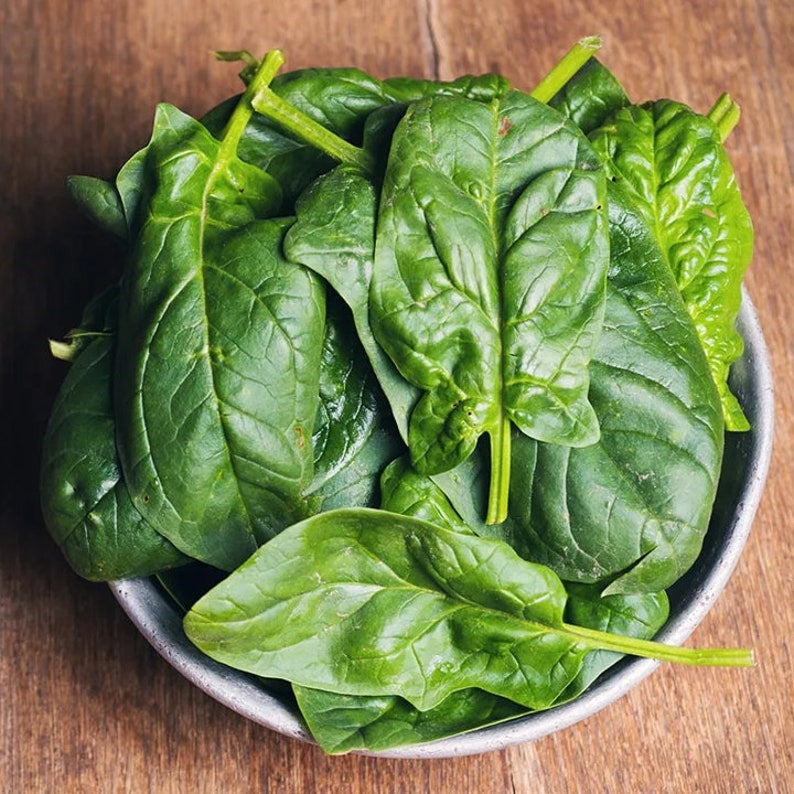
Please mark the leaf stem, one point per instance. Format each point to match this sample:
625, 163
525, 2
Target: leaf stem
701, 657
566, 68
500, 474
725, 114
248, 71
242, 113
269, 104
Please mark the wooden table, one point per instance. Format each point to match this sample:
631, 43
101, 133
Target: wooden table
85, 704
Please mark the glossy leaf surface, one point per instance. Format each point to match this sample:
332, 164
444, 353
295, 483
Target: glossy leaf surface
490, 258
365, 602
334, 235
86, 504
355, 437
633, 508
590, 97
673, 168
219, 350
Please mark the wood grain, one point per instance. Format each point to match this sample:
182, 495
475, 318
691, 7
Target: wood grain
85, 704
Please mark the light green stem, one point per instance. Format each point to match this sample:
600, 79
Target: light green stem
725, 114
248, 72
500, 474
566, 68
269, 104
241, 115
700, 657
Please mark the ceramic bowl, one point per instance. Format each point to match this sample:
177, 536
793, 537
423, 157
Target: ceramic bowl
743, 474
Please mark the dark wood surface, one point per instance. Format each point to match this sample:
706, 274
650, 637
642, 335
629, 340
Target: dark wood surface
85, 704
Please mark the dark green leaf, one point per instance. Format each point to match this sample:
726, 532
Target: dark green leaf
633, 508
590, 96
487, 287
341, 723
85, 502
355, 436
100, 202
219, 350
334, 235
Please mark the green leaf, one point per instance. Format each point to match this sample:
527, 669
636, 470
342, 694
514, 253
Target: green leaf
365, 602
100, 202
220, 342
334, 235
343, 723
487, 288
85, 502
405, 491
633, 508
480, 88
670, 162
590, 96
354, 437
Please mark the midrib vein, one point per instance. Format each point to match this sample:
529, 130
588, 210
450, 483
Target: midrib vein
220, 164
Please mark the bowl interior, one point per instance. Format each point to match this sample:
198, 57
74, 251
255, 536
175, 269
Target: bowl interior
744, 470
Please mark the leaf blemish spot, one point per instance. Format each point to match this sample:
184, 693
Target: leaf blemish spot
504, 126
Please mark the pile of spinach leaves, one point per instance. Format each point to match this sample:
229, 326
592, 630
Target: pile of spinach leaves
437, 370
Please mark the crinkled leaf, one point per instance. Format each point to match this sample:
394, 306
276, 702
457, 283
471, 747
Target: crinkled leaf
487, 288
343, 723
334, 235
405, 491
633, 508
365, 602
219, 349
672, 166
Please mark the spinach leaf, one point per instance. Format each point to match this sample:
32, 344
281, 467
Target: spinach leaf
343, 723
84, 499
365, 602
590, 96
334, 235
670, 163
219, 348
100, 202
355, 436
405, 491
488, 281
633, 508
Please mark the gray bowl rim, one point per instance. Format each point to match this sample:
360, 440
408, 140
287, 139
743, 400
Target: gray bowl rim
158, 620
